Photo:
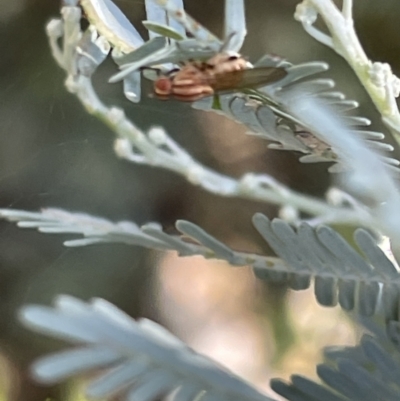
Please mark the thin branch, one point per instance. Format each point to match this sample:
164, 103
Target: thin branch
347, 9
156, 148
346, 43
319, 36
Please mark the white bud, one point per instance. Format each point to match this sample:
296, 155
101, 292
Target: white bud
335, 196
157, 136
195, 175
122, 148
378, 73
116, 115
71, 84
305, 13
55, 28
249, 182
289, 214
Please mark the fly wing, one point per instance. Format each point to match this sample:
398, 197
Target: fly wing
249, 78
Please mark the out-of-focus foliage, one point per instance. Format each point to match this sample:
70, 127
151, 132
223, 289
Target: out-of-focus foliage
54, 155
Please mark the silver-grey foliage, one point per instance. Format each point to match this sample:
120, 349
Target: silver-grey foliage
139, 360
369, 284
367, 372
261, 110
341, 274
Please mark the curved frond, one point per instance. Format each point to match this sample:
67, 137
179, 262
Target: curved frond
264, 113
341, 274
263, 110
96, 230
367, 372
368, 281
139, 360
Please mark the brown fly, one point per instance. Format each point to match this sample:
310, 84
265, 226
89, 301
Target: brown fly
224, 72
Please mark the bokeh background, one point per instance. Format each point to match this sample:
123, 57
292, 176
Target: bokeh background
52, 154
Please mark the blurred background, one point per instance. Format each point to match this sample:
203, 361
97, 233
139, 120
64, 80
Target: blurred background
52, 154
